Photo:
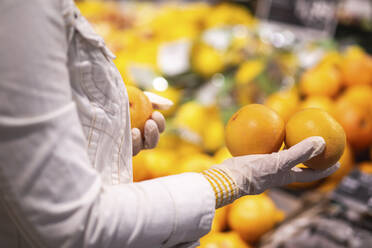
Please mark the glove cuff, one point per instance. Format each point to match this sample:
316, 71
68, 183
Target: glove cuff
224, 187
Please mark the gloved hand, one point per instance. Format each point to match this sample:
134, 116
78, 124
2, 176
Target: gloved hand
153, 127
253, 174
152, 130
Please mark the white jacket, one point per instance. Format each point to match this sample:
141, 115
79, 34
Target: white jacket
65, 145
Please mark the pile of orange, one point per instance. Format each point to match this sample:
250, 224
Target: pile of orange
333, 94
340, 84
333, 100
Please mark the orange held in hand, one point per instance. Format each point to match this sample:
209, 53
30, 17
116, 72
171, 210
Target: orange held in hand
140, 108
317, 122
254, 129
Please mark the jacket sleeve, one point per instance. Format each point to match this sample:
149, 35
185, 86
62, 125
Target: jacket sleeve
47, 184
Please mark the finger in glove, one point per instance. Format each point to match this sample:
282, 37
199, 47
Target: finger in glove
151, 134
137, 143
301, 152
305, 175
159, 119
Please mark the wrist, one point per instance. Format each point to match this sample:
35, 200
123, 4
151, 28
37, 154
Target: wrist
224, 187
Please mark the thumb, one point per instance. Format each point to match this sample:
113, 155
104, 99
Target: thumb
158, 102
301, 152
304, 175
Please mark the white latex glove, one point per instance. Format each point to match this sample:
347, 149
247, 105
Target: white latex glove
253, 174
153, 127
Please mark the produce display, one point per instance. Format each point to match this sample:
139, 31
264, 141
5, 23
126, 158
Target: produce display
213, 61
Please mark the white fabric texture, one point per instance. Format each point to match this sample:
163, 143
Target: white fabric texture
65, 144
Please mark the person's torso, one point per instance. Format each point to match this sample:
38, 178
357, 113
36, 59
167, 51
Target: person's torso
101, 99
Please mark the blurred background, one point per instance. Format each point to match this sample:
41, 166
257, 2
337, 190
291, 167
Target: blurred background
212, 57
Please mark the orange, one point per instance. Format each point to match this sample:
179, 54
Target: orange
254, 129
222, 240
220, 219
356, 67
331, 58
160, 162
346, 165
140, 170
360, 95
365, 167
322, 80
252, 216
140, 108
284, 103
321, 102
317, 122
357, 123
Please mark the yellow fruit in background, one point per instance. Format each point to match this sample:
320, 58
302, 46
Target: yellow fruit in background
196, 162
360, 95
186, 149
333, 58
254, 129
252, 216
321, 102
161, 162
228, 14
222, 154
140, 108
94, 9
220, 219
168, 140
357, 123
346, 164
356, 67
365, 167
248, 71
222, 240
140, 170
246, 94
284, 103
206, 60
317, 122
322, 80
191, 116
172, 94
121, 62
213, 135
